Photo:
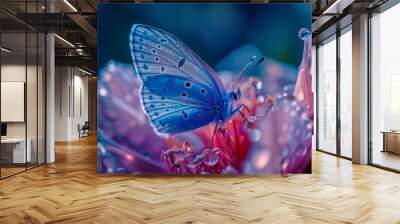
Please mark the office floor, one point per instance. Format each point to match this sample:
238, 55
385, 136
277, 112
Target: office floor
10, 171
387, 159
70, 191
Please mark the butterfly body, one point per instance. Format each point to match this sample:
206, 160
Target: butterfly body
179, 92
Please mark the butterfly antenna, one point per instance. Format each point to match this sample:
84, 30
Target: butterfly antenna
250, 65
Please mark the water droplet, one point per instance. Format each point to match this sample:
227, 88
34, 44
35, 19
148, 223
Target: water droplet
304, 33
212, 157
262, 159
103, 92
259, 84
309, 126
107, 77
285, 165
256, 135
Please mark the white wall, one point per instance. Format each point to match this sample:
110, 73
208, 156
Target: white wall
71, 102
16, 73
12, 73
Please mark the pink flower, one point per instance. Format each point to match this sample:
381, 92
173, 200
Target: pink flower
230, 146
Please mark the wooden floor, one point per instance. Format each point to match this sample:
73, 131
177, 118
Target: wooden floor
386, 159
70, 191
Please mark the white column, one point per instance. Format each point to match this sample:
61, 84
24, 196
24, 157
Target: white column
50, 100
360, 90
50, 93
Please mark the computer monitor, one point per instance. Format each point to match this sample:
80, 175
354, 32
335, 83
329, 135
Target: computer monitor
3, 129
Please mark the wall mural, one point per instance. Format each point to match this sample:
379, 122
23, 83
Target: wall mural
204, 89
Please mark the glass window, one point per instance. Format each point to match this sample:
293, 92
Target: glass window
385, 89
327, 96
14, 153
346, 93
314, 79
22, 91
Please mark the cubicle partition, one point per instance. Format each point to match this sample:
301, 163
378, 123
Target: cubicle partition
22, 95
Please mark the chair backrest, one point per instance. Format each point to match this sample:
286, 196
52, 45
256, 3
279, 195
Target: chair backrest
86, 124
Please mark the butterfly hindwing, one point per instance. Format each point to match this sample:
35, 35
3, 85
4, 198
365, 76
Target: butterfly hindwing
179, 92
175, 104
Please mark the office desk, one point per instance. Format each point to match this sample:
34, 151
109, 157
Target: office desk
16, 148
391, 141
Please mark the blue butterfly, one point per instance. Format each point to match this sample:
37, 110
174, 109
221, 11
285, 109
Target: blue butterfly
179, 91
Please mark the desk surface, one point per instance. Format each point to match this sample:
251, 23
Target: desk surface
390, 132
13, 140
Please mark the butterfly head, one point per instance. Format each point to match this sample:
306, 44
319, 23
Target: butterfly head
236, 95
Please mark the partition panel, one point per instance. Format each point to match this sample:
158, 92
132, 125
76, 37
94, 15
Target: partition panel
22, 76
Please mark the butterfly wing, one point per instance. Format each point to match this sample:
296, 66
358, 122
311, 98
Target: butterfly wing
179, 91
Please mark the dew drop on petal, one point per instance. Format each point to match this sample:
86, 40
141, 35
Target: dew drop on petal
212, 157
285, 165
309, 126
107, 77
259, 85
304, 33
256, 135
129, 157
103, 92
262, 159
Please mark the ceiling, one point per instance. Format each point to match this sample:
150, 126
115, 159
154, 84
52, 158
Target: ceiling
75, 23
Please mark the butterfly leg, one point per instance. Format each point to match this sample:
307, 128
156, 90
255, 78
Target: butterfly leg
250, 119
212, 137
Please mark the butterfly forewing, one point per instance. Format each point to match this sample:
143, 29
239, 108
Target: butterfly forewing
179, 91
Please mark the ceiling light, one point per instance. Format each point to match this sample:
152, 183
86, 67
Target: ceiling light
70, 5
337, 7
329, 9
5, 50
84, 71
65, 41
